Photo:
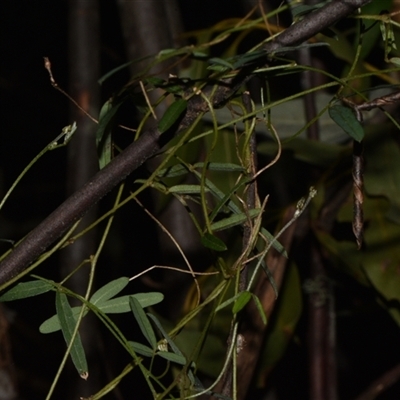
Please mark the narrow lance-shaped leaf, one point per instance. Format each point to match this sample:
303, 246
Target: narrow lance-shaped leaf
143, 321
221, 62
121, 304
270, 277
224, 198
26, 289
118, 305
181, 169
234, 220
260, 309
171, 343
109, 290
174, 111
68, 323
176, 358
141, 349
186, 189
103, 135
275, 243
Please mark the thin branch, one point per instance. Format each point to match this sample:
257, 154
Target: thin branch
389, 378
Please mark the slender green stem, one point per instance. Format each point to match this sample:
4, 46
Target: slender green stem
67, 133
225, 366
93, 263
205, 164
301, 206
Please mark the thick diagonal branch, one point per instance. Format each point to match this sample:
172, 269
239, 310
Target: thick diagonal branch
148, 144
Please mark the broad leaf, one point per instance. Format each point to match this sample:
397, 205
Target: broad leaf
241, 301
212, 242
227, 302
346, 119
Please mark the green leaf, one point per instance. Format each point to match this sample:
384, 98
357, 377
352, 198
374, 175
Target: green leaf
53, 323
270, 277
301, 10
174, 111
176, 358
212, 242
275, 244
236, 219
220, 62
346, 119
395, 60
155, 81
242, 300
248, 58
227, 302
180, 169
103, 134
121, 305
68, 323
225, 167
118, 305
224, 198
219, 68
143, 321
173, 171
187, 189
171, 343
109, 290
141, 349
260, 308
113, 71
173, 52
26, 289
